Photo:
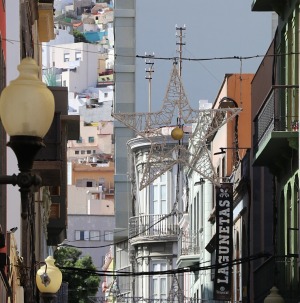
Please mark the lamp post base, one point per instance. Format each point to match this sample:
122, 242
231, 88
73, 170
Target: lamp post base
48, 297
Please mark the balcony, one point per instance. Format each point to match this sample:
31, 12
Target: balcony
283, 270
153, 228
276, 134
189, 249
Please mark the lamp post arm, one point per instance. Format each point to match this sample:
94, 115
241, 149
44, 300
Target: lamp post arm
25, 180
13, 179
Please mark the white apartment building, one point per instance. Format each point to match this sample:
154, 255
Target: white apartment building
63, 35
78, 62
196, 232
95, 141
153, 229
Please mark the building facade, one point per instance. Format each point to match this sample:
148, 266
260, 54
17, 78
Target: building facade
275, 192
124, 101
153, 228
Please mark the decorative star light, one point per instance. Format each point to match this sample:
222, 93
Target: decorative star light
198, 126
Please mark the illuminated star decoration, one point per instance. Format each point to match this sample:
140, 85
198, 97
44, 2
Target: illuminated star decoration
198, 126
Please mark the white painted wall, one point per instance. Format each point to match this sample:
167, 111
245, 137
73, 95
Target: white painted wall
80, 74
12, 61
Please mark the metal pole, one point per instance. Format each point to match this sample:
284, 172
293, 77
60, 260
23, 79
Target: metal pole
149, 70
180, 43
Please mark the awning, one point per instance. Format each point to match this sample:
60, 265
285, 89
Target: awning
211, 246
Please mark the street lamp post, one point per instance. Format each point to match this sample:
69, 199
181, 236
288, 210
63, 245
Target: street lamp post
26, 112
48, 280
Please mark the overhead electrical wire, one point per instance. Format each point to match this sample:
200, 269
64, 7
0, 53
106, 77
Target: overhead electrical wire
171, 213
189, 269
129, 238
172, 58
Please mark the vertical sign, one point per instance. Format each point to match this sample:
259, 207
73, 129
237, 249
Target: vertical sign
224, 221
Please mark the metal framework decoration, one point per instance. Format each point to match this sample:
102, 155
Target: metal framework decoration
176, 294
198, 125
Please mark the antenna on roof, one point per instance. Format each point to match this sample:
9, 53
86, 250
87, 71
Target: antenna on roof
149, 70
180, 43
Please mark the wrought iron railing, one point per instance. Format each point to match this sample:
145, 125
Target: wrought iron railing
262, 278
189, 243
153, 226
280, 271
274, 113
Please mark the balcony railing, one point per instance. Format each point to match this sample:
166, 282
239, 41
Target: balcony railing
153, 227
283, 272
189, 243
273, 114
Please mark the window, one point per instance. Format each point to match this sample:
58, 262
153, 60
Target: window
76, 152
66, 57
81, 235
108, 235
95, 235
82, 152
159, 282
105, 95
160, 195
88, 151
78, 56
89, 184
91, 139
79, 140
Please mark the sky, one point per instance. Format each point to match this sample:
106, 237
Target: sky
214, 29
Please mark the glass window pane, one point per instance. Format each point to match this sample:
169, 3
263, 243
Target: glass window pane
86, 235
155, 288
159, 282
155, 192
156, 208
163, 178
164, 207
163, 192
94, 235
163, 287
108, 236
156, 267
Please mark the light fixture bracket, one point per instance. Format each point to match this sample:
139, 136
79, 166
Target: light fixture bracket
25, 149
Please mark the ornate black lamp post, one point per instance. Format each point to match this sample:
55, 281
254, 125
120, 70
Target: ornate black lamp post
26, 112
